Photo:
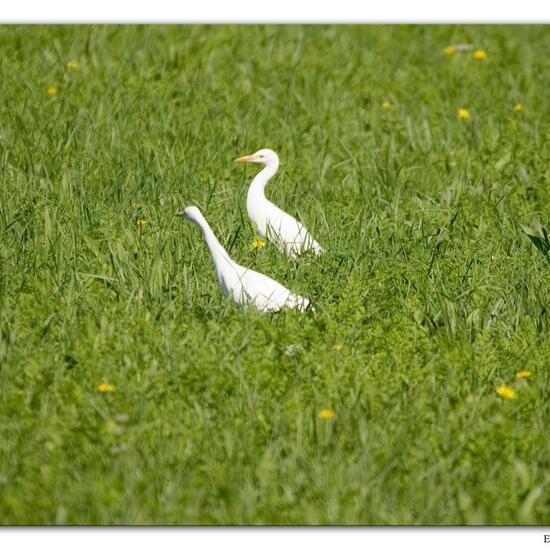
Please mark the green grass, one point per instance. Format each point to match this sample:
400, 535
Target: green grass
435, 281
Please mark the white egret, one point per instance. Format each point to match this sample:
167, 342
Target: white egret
245, 286
273, 223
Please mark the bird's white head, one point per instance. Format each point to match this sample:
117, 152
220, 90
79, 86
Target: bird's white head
190, 213
263, 156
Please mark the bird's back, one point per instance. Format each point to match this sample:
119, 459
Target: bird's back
264, 292
291, 235
282, 229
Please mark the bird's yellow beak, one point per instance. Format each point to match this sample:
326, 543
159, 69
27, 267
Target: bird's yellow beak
247, 158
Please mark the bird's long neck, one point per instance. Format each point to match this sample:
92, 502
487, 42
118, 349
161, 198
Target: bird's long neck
220, 256
256, 191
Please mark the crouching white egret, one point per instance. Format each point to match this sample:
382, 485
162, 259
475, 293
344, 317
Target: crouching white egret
273, 223
245, 286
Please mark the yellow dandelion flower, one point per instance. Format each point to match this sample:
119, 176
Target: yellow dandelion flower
387, 105
506, 392
463, 113
480, 54
258, 243
73, 64
449, 50
106, 388
337, 347
52, 90
518, 107
142, 222
523, 374
325, 414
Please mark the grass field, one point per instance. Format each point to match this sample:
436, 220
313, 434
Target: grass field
433, 292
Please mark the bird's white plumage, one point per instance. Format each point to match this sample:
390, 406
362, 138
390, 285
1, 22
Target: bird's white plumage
272, 222
245, 286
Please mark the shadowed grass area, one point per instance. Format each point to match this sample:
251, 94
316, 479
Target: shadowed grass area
433, 292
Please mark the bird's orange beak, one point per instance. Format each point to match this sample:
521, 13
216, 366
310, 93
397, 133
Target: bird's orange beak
247, 158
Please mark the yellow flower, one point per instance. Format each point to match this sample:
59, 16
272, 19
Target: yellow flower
337, 347
463, 113
449, 50
73, 64
258, 243
325, 414
105, 388
506, 392
142, 222
523, 374
480, 54
518, 107
52, 90
387, 105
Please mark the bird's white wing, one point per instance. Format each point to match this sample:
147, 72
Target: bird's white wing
288, 233
265, 293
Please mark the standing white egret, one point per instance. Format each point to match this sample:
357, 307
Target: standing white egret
273, 223
245, 286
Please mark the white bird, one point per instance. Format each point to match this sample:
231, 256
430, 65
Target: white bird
245, 286
273, 223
